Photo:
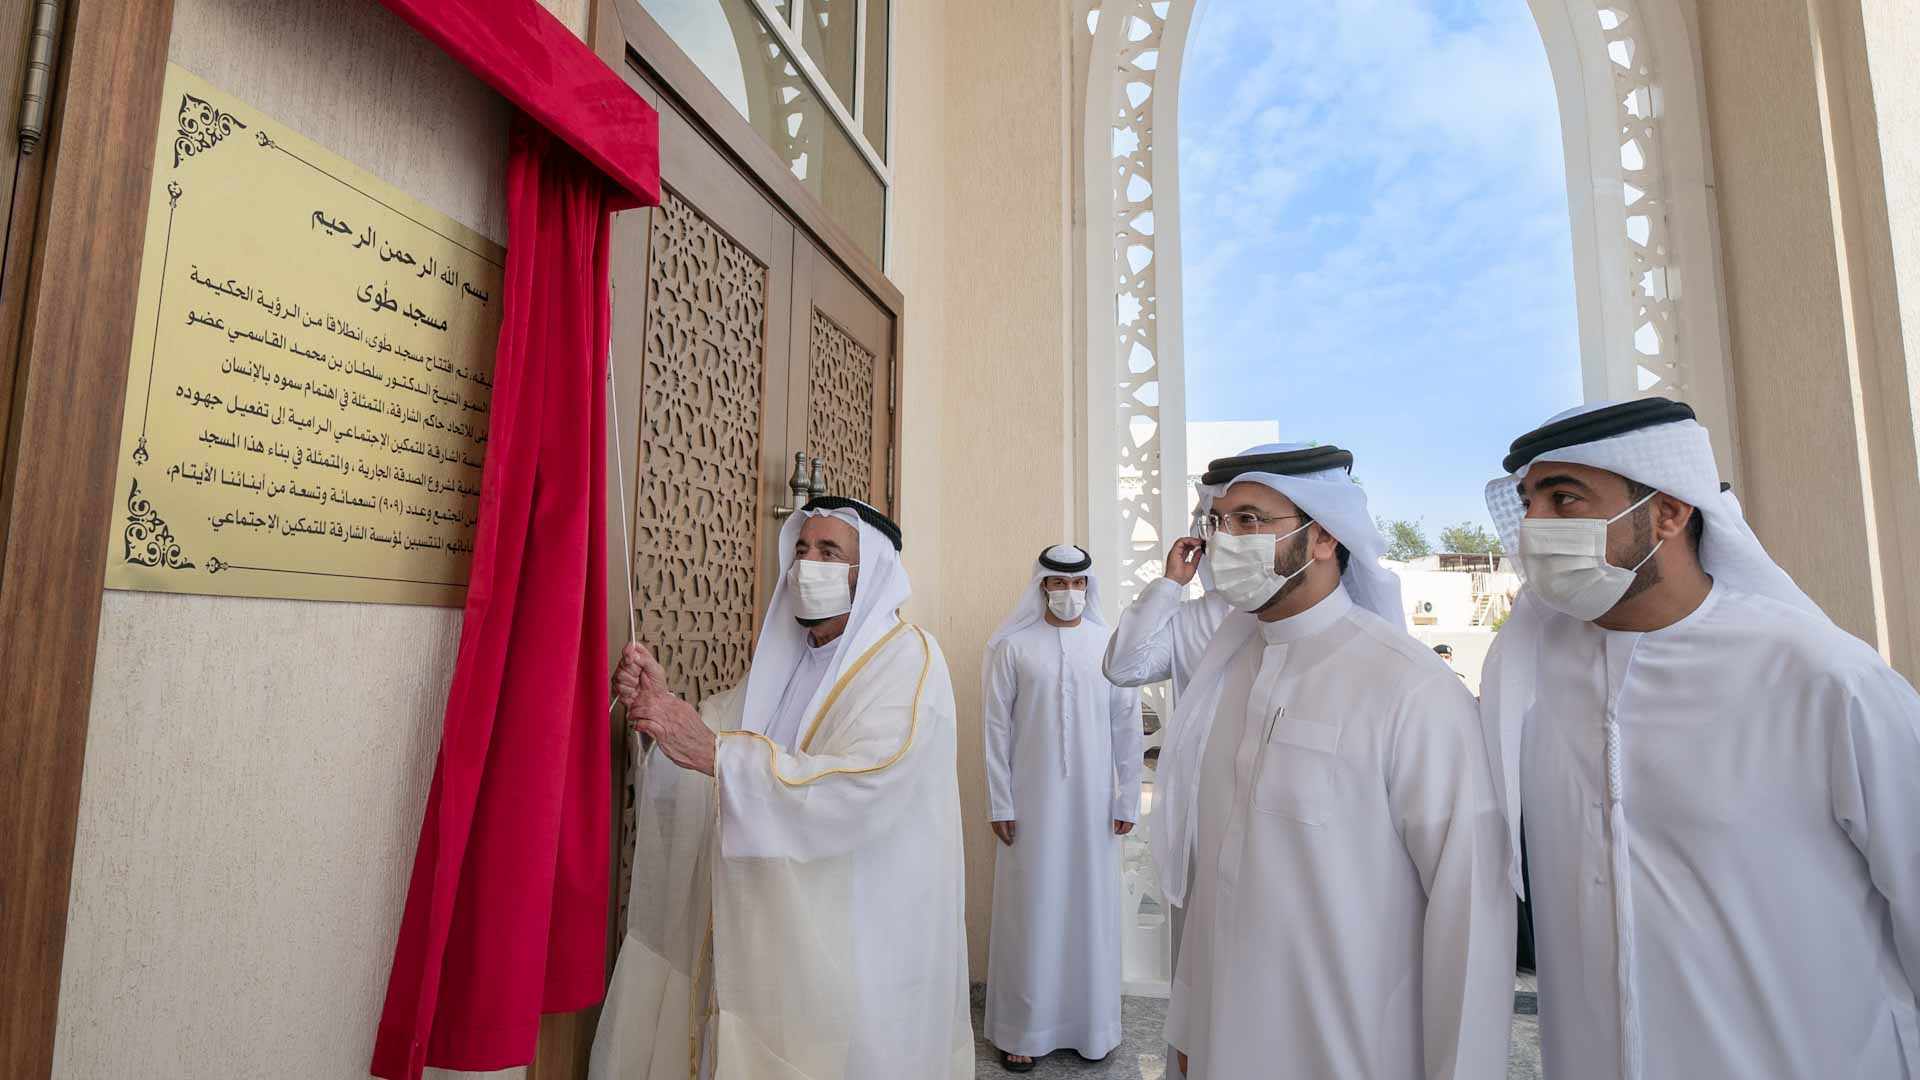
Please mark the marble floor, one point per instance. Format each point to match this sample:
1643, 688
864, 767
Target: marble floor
1142, 1056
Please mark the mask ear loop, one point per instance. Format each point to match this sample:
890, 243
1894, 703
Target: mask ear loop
1302, 568
1629, 510
1635, 506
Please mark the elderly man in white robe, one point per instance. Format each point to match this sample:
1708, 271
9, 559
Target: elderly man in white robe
1325, 814
1720, 788
796, 911
1063, 783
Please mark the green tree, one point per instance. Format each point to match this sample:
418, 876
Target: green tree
1405, 540
1468, 538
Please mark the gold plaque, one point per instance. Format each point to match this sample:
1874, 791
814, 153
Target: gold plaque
312, 369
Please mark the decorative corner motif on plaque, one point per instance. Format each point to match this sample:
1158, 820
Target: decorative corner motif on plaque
202, 127
149, 541
174, 191
214, 565
266, 141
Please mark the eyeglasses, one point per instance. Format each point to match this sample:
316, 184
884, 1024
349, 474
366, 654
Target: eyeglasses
1242, 522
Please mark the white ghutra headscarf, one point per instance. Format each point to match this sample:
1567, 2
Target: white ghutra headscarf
1032, 605
1060, 560
880, 592
1659, 444
1675, 457
1332, 499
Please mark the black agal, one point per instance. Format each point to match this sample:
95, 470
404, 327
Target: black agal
1594, 426
881, 522
1079, 565
1314, 459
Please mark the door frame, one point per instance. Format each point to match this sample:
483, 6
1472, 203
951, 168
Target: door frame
72, 301
623, 35
632, 44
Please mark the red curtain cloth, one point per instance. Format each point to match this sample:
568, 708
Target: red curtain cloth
534, 61
507, 912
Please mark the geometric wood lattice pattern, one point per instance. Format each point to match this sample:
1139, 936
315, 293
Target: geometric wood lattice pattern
696, 512
840, 420
697, 489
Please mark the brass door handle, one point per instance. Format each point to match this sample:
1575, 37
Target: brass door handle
809, 481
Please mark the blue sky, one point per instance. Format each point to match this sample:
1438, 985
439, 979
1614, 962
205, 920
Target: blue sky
1375, 237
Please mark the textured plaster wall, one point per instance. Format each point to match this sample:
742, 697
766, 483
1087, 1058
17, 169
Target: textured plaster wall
1892, 41
256, 769
984, 235
1877, 42
1799, 428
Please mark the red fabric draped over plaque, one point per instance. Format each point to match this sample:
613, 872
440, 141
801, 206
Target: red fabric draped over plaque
506, 914
534, 61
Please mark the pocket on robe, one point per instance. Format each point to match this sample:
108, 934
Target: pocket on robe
1294, 778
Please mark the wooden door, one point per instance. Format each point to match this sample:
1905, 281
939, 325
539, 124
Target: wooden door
75, 218
707, 472
20, 176
844, 390
745, 329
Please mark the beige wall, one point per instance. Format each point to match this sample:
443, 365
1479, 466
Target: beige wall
1891, 39
1872, 44
1793, 391
1814, 107
256, 769
981, 249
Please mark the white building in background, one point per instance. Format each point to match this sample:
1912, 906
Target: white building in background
1457, 600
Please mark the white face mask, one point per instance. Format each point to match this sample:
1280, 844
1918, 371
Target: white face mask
1565, 560
820, 589
1243, 570
1066, 604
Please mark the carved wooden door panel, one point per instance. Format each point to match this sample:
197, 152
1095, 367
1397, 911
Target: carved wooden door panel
736, 343
713, 376
697, 498
701, 358
844, 379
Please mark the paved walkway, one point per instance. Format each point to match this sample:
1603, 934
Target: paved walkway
1142, 1055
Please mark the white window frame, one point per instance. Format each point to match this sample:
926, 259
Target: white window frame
852, 121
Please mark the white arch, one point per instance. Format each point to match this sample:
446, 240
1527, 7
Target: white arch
1645, 251
1639, 192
